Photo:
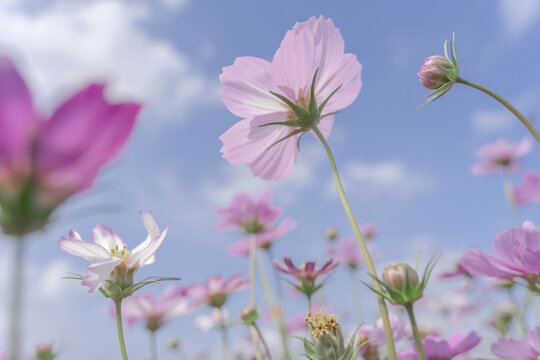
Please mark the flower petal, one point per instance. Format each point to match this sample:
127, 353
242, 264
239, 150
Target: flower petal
89, 251
146, 255
513, 349
107, 238
98, 273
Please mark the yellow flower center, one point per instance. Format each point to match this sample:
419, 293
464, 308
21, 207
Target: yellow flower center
122, 253
321, 324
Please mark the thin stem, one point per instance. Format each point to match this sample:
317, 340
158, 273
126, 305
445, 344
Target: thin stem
118, 307
224, 341
153, 345
267, 288
506, 104
510, 198
416, 333
16, 299
365, 252
265, 345
355, 299
252, 299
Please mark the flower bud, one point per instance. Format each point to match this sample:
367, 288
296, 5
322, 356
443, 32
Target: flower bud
331, 234
329, 341
431, 76
249, 315
44, 351
174, 343
396, 276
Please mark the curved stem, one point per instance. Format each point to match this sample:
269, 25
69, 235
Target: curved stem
506, 104
416, 333
365, 252
265, 345
16, 299
118, 307
153, 345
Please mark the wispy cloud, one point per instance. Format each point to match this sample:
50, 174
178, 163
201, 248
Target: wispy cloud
518, 16
70, 43
387, 179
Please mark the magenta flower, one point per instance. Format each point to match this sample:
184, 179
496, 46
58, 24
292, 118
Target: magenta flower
311, 47
155, 312
109, 256
48, 160
529, 191
518, 255
437, 348
515, 349
500, 155
216, 290
306, 271
346, 251
263, 240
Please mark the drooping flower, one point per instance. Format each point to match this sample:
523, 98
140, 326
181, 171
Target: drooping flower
515, 349
275, 99
347, 252
109, 256
518, 256
529, 191
500, 156
306, 274
437, 348
216, 289
45, 161
155, 312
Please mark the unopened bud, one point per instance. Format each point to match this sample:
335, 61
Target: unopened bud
44, 351
431, 75
249, 315
395, 276
174, 343
331, 234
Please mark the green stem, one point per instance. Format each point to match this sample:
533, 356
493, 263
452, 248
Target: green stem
510, 199
365, 252
265, 345
267, 289
118, 307
16, 299
416, 333
224, 342
153, 345
252, 299
355, 299
506, 104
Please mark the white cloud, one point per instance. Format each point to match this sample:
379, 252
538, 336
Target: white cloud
71, 43
174, 4
518, 16
393, 179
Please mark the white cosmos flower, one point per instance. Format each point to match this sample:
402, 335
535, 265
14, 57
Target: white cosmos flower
107, 250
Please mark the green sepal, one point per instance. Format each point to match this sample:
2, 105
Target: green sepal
300, 113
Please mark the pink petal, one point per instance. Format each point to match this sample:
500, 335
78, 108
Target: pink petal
246, 88
18, 123
88, 251
97, 274
461, 342
513, 349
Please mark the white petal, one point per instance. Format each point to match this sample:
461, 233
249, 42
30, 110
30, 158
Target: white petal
90, 252
150, 223
97, 274
107, 238
146, 255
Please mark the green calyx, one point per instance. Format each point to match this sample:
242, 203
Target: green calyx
451, 72
21, 212
410, 291
331, 346
305, 118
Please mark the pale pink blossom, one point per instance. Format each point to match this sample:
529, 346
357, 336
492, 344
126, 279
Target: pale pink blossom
375, 334
515, 349
314, 45
518, 255
107, 250
61, 154
347, 252
437, 348
264, 240
155, 312
500, 155
216, 289
529, 191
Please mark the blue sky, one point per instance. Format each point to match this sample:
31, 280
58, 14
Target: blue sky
407, 170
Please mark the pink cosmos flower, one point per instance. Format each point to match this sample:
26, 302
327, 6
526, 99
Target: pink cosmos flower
515, 349
457, 271
264, 240
437, 348
518, 255
375, 335
346, 251
312, 46
500, 155
62, 154
216, 290
529, 191
155, 312
107, 251
307, 272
